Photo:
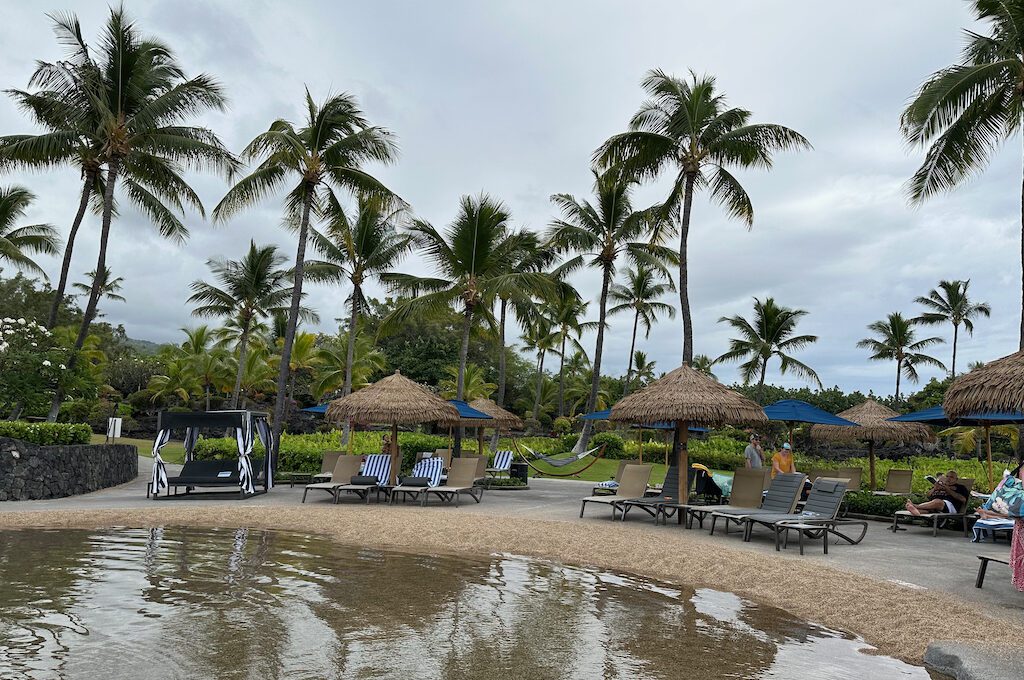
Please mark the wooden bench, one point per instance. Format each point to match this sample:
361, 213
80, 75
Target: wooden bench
983, 567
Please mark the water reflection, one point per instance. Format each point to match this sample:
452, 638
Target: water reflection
189, 603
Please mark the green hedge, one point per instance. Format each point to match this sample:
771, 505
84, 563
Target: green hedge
46, 434
921, 465
866, 503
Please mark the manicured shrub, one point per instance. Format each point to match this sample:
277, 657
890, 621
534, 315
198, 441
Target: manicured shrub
562, 425
614, 446
75, 411
46, 434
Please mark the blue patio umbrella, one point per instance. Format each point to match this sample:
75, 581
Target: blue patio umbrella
792, 411
467, 412
603, 415
320, 409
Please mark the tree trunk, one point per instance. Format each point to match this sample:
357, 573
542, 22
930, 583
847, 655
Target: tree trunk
683, 458
207, 396
595, 383
62, 284
561, 379
243, 347
632, 350
540, 386
899, 369
350, 356
289, 332
460, 385
956, 333
684, 298
760, 383
501, 353
97, 283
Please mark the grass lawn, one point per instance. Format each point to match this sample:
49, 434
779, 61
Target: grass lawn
604, 469
173, 452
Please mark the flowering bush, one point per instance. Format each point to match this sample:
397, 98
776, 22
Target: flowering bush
46, 434
30, 361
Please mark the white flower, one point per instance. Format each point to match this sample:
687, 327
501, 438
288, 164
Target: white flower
35, 344
46, 362
63, 367
21, 321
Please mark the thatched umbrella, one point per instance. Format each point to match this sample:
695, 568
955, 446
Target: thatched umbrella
686, 397
500, 419
875, 427
394, 400
996, 387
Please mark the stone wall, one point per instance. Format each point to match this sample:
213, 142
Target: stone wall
28, 471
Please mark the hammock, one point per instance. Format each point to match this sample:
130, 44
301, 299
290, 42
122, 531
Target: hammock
558, 462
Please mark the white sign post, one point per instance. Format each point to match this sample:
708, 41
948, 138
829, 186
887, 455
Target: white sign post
113, 428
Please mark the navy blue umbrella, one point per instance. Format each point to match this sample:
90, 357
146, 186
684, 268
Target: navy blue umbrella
319, 408
468, 412
603, 415
792, 411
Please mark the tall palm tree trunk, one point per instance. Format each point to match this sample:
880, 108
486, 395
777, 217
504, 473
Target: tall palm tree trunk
65, 267
956, 333
243, 348
540, 384
460, 385
595, 383
289, 332
113, 167
632, 350
760, 383
899, 369
684, 296
207, 396
501, 353
561, 378
350, 356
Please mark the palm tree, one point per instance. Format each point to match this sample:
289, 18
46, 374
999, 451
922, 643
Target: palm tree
247, 291
964, 112
110, 288
644, 367
567, 315
476, 385
357, 248
896, 341
206, 362
641, 297
704, 364
332, 366
686, 127
136, 100
326, 153
950, 303
304, 359
16, 242
541, 338
257, 375
176, 381
771, 334
602, 233
474, 259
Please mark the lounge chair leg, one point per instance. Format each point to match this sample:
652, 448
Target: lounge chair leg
825, 540
800, 538
981, 574
714, 520
304, 492
935, 526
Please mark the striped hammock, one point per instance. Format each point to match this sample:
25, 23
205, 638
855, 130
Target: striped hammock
560, 462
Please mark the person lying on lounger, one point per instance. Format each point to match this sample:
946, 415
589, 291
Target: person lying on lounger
948, 495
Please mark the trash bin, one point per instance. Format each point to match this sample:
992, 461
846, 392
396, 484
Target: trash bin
519, 471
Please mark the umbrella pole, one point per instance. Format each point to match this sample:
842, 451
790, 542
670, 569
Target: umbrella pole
988, 451
394, 453
450, 445
791, 437
640, 440
480, 440
683, 433
871, 464
351, 437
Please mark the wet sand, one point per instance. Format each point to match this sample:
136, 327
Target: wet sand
898, 620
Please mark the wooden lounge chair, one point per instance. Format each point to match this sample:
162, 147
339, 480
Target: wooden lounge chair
327, 466
897, 483
633, 485
461, 480
502, 464
344, 468
375, 477
607, 488
781, 498
425, 474
937, 517
746, 492
818, 515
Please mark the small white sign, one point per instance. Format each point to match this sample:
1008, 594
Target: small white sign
113, 428
225, 473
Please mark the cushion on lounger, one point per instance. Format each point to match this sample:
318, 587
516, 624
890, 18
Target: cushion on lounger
364, 480
415, 481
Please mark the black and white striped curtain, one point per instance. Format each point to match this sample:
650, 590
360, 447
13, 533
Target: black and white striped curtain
191, 437
263, 430
159, 480
243, 435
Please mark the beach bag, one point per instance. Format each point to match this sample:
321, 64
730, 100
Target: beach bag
1008, 499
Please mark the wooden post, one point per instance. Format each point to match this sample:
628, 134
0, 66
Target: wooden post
396, 461
640, 440
988, 452
683, 431
351, 437
480, 440
871, 464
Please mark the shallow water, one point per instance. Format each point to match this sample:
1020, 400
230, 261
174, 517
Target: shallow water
200, 603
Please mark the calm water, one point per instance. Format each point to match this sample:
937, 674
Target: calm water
191, 603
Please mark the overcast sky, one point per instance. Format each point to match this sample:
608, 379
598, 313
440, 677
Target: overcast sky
512, 98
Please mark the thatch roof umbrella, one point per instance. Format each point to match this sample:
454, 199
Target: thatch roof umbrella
686, 397
875, 426
500, 419
394, 400
996, 387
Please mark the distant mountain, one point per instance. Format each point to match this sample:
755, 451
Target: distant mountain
144, 347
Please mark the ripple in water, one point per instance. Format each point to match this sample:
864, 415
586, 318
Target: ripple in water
198, 603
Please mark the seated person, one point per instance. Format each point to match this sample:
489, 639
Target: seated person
948, 495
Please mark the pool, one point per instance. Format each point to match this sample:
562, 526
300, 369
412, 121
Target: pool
234, 603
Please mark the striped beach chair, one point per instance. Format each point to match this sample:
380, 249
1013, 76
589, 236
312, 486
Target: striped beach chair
375, 476
426, 473
502, 463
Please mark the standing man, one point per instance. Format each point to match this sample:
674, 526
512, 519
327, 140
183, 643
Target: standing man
753, 453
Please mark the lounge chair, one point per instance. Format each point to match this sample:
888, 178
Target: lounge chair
897, 483
986, 528
376, 476
633, 485
327, 466
481, 464
345, 467
853, 475
461, 480
936, 517
608, 487
210, 474
425, 474
781, 498
746, 492
655, 506
502, 464
819, 515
